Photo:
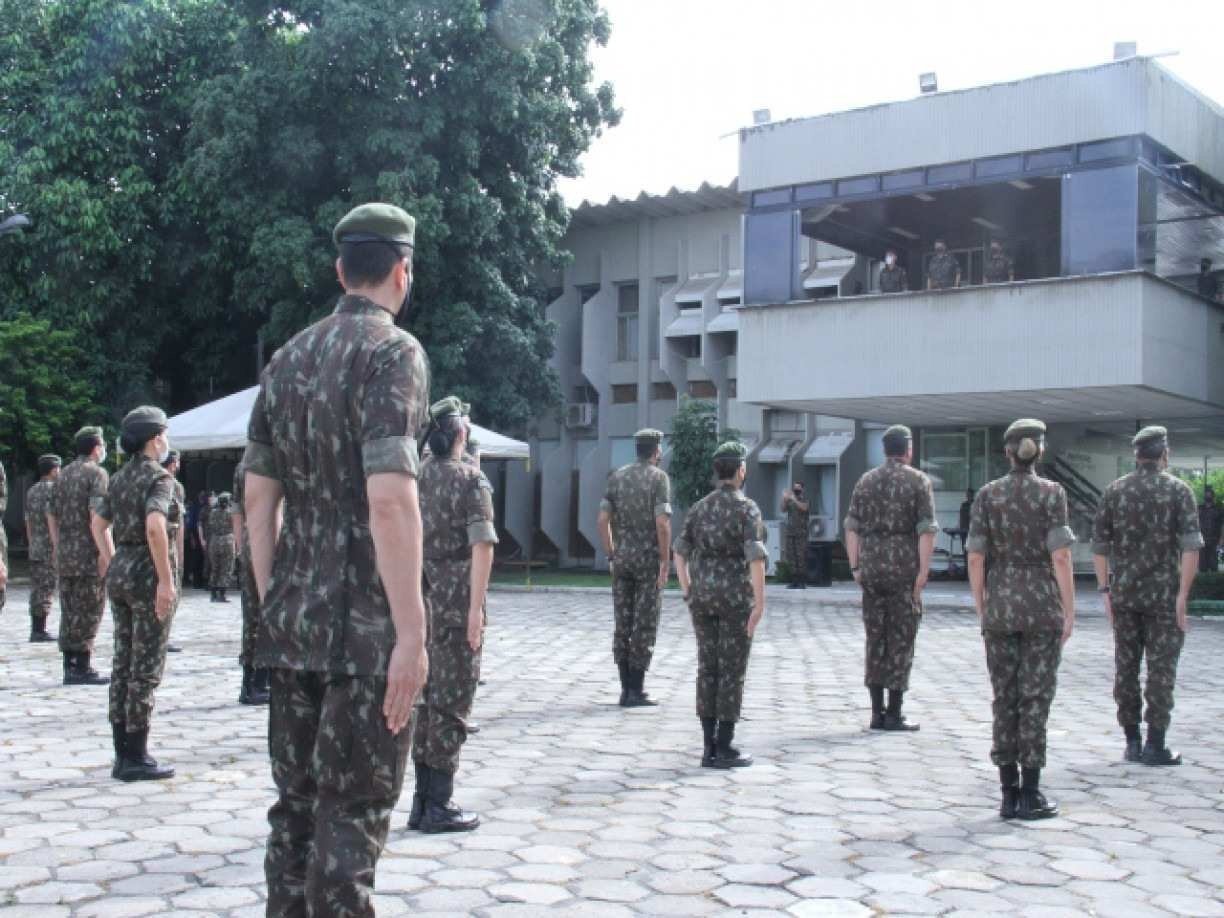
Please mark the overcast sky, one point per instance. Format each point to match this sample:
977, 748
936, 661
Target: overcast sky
687, 72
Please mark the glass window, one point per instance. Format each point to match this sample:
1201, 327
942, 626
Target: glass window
769, 242
663, 392
627, 322
945, 457
624, 394
700, 388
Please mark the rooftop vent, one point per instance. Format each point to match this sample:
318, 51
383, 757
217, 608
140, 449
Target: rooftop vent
1125, 49
927, 82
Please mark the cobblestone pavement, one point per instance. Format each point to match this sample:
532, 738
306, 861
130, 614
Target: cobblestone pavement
593, 810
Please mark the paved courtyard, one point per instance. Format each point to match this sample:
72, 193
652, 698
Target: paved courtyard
593, 810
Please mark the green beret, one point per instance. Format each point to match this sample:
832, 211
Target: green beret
898, 432
732, 449
1025, 427
95, 432
140, 424
376, 223
648, 434
48, 462
1150, 434
446, 407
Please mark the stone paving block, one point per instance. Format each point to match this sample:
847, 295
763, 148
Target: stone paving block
530, 893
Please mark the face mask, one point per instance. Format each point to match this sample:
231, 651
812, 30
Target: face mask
891, 259
102, 457
164, 453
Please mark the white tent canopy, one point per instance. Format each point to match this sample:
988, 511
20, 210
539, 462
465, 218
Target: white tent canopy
223, 425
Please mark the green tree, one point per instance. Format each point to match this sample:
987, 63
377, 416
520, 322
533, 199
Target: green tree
694, 437
42, 402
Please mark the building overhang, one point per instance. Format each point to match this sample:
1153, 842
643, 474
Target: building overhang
1119, 347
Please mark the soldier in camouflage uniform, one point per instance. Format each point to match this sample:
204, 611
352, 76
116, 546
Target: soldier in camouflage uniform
794, 550
254, 680
890, 535
1024, 591
220, 548
720, 560
1145, 545
893, 278
1211, 516
999, 268
457, 522
944, 270
635, 527
342, 617
176, 525
41, 540
141, 508
78, 494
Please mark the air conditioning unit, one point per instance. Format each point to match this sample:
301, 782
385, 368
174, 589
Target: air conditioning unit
579, 414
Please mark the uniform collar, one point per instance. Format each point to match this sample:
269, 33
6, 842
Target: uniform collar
1148, 468
895, 460
352, 304
1023, 471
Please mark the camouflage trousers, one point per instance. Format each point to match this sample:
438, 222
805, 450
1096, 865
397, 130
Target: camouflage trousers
140, 659
794, 553
891, 621
338, 772
82, 605
446, 703
250, 610
723, 645
42, 588
636, 602
1023, 670
220, 563
1159, 639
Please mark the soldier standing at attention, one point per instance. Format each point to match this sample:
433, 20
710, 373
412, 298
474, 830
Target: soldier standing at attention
999, 269
944, 270
332, 439
720, 561
893, 278
41, 539
1145, 546
457, 522
254, 681
795, 506
1210, 517
1024, 592
79, 492
141, 508
220, 548
890, 535
175, 526
635, 527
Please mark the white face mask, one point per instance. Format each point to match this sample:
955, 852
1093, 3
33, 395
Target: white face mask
891, 259
102, 456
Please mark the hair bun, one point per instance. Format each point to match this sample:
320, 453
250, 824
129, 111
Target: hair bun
1027, 449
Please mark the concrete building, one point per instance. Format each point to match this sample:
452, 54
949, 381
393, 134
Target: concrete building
1106, 187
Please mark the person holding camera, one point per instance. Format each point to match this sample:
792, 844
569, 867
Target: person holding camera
794, 547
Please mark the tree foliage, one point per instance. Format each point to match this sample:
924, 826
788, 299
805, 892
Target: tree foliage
694, 438
185, 160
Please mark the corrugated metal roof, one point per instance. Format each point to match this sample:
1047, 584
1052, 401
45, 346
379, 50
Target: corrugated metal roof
675, 203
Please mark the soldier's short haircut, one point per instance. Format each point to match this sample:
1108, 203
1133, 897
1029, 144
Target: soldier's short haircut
85, 445
442, 435
646, 448
1151, 450
725, 469
367, 264
896, 445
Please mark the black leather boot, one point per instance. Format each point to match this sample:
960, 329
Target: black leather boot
726, 755
221, 596
439, 813
1156, 753
1033, 804
1134, 744
119, 737
246, 693
893, 718
38, 630
877, 706
1009, 781
707, 735
623, 670
418, 795
77, 671
637, 697
260, 693
138, 765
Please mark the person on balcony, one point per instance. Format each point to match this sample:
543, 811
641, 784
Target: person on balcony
1000, 269
944, 270
893, 278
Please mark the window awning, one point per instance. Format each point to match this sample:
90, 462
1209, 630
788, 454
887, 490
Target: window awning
694, 289
778, 449
733, 287
686, 324
826, 449
827, 274
725, 321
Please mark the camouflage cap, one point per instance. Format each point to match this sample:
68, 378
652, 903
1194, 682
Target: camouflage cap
1025, 427
144, 422
47, 462
1150, 434
376, 223
648, 434
732, 449
899, 432
446, 407
95, 432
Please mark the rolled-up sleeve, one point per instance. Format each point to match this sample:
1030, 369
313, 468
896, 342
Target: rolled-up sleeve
979, 525
1190, 535
662, 497
608, 503
101, 506
391, 409
1059, 535
259, 458
683, 545
754, 534
854, 516
479, 512
159, 496
1102, 526
926, 510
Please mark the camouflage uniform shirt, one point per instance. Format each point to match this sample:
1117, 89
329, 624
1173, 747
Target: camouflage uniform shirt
141, 487
37, 506
456, 513
1016, 522
942, 270
998, 269
891, 506
893, 280
722, 534
1145, 521
342, 400
636, 496
81, 488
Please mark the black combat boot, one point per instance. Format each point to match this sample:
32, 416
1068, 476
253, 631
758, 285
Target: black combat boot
1009, 781
623, 670
439, 813
637, 697
707, 734
726, 755
1156, 753
221, 597
212, 595
877, 706
138, 765
893, 718
77, 671
1033, 804
119, 737
248, 686
38, 630
260, 693
1134, 744
418, 795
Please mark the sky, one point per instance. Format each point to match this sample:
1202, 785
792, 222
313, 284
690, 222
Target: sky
689, 73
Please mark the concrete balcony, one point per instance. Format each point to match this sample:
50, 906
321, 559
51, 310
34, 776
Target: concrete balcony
1113, 346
